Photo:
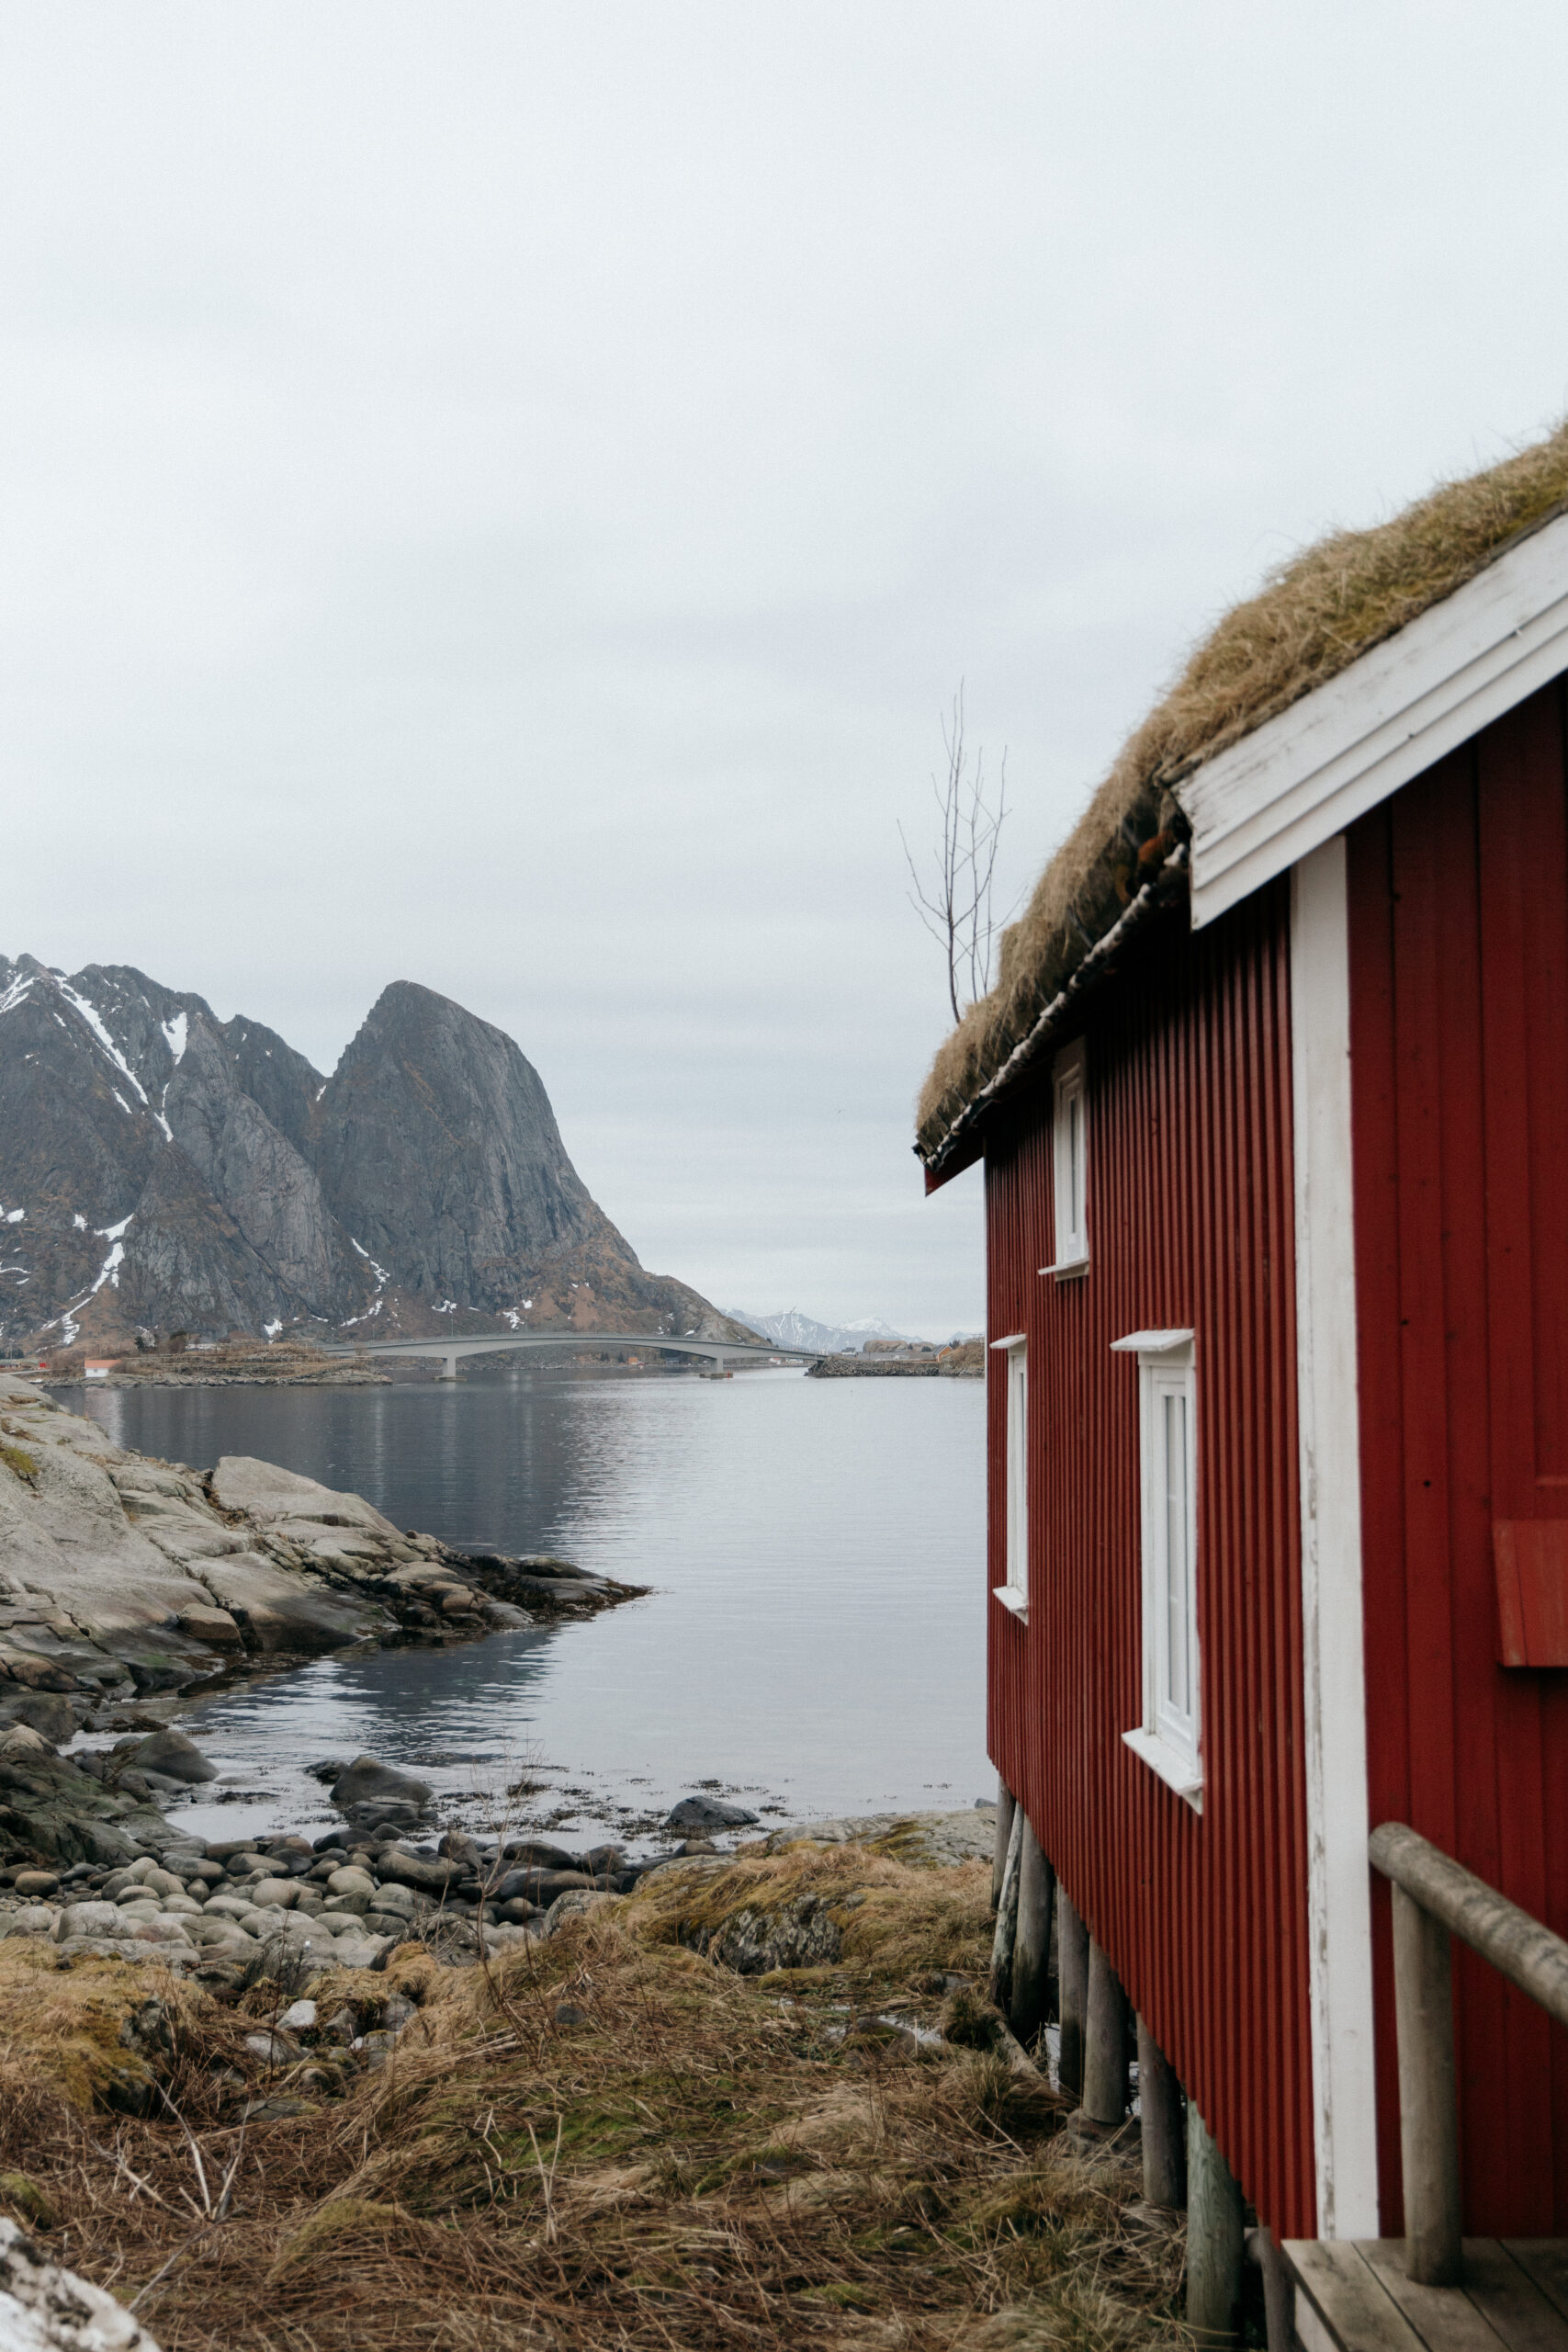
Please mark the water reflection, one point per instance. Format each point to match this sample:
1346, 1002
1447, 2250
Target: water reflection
815, 1634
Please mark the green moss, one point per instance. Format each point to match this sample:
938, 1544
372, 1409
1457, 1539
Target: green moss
27, 2200
19, 1461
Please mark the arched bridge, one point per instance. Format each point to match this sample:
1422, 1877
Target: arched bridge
717, 1351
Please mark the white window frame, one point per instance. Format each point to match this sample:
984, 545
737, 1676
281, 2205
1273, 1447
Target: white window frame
1069, 1162
1170, 1738
1014, 1593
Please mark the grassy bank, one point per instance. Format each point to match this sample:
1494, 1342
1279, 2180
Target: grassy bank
609, 2139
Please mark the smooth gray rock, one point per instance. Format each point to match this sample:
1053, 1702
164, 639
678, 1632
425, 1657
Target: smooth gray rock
46, 1712
367, 1781
170, 1753
707, 1813
414, 1870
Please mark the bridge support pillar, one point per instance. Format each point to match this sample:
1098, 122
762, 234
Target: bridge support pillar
448, 1368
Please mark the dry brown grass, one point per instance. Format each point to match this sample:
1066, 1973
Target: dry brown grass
609, 2142
1313, 617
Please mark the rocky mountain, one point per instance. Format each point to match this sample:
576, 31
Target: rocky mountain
793, 1329
163, 1169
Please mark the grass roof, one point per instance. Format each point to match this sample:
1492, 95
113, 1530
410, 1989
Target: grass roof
1313, 617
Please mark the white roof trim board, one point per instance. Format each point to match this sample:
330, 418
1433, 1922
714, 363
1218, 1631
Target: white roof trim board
1282, 792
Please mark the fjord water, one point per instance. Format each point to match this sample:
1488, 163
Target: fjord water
814, 1638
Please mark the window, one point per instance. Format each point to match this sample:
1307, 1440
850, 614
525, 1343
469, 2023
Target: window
1069, 1139
1168, 1739
1014, 1593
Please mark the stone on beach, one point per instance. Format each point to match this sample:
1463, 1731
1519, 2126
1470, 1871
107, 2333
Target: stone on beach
369, 1781
172, 1754
707, 1813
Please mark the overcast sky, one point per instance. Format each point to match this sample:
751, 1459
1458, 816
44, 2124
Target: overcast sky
500, 496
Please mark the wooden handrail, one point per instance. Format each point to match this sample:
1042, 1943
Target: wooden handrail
1435, 1898
1518, 1947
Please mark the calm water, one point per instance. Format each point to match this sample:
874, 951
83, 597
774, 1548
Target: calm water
813, 1640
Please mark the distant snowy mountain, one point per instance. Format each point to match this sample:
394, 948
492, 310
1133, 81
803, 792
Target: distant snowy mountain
793, 1329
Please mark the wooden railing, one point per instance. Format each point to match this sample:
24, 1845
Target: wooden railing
1433, 1899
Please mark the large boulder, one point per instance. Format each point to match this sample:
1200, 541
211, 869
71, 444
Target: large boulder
172, 1754
412, 1870
800, 1934
45, 1711
368, 1782
707, 1813
44, 2308
272, 1495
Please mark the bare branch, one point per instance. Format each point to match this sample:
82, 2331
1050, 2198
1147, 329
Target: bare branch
956, 904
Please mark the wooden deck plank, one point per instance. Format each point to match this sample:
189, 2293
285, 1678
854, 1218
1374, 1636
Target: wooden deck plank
1544, 2262
1527, 2320
1444, 2317
1341, 2303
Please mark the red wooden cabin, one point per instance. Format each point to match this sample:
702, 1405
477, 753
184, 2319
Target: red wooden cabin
1273, 1110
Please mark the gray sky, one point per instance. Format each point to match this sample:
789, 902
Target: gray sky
502, 496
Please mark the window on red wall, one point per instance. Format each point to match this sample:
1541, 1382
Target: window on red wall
1014, 1593
1070, 1153
1170, 1738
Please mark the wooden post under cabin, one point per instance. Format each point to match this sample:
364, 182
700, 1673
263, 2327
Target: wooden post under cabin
1031, 1946
1428, 2114
1105, 2042
1005, 1804
1163, 2126
1214, 2233
1072, 1969
1005, 1938
1278, 2294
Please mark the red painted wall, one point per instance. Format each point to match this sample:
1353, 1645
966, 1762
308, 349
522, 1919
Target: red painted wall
1190, 1224
1458, 913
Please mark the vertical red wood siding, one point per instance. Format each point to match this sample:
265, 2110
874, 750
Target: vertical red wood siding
1190, 1224
1458, 929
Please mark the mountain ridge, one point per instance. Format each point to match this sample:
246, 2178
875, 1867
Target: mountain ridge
161, 1167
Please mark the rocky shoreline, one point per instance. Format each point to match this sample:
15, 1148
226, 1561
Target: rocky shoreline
127, 1583
769, 2085
965, 1361
122, 1575
98, 1870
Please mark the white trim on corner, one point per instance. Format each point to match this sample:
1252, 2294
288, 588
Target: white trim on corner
1264, 805
1328, 1430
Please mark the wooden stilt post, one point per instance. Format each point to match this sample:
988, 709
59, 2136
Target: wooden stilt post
1005, 1802
1105, 2042
1214, 2234
1162, 2126
1006, 1935
1278, 2294
1428, 2114
1032, 1952
1072, 1966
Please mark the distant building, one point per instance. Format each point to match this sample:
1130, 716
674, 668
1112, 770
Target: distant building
1272, 1103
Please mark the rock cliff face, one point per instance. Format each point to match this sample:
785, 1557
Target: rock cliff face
162, 1167
440, 1153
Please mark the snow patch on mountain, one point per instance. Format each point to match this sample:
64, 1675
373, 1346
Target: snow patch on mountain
793, 1329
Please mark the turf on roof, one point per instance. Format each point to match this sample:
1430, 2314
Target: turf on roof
1313, 617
